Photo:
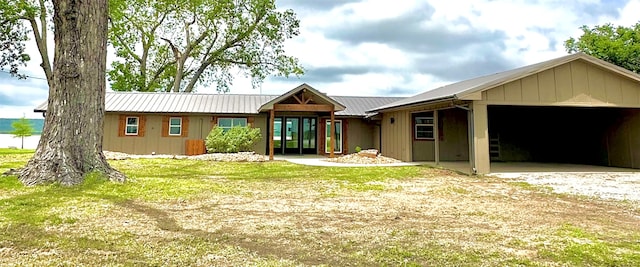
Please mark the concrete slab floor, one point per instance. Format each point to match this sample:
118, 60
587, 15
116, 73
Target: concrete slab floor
531, 167
524, 167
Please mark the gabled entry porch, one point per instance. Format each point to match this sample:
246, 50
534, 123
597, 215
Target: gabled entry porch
294, 119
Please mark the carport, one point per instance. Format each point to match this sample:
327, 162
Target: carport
600, 136
575, 109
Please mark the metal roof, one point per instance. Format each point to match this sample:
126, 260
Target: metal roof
358, 105
460, 89
138, 102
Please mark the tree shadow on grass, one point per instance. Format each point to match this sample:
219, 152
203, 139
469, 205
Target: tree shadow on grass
228, 236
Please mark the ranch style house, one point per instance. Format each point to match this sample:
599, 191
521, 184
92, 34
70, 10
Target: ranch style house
572, 109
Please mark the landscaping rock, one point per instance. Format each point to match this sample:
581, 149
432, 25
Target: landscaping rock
357, 158
232, 157
225, 157
369, 153
116, 155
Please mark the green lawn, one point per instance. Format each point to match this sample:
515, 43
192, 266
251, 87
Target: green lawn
187, 212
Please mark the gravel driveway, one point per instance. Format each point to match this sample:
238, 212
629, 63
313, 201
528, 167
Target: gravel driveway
606, 185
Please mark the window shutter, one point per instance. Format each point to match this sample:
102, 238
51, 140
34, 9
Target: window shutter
165, 126
122, 125
250, 121
142, 122
185, 126
214, 122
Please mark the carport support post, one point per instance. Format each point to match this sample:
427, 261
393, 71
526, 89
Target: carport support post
481, 138
436, 135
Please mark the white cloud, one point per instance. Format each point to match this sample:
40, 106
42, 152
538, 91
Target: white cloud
629, 14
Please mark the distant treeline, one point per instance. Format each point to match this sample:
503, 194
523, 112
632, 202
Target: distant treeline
5, 125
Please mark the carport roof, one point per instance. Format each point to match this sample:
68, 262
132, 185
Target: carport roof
460, 89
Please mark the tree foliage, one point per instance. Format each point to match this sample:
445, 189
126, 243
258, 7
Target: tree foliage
616, 44
17, 19
168, 45
22, 128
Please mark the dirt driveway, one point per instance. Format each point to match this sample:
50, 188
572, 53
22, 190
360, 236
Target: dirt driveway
606, 185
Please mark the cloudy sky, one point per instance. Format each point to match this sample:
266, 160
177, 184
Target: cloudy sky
400, 48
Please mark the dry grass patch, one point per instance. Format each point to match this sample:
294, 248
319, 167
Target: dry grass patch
182, 212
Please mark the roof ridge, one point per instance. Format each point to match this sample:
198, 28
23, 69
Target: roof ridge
237, 94
181, 93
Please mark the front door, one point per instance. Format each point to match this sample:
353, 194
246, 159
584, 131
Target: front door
309, 136
295, 135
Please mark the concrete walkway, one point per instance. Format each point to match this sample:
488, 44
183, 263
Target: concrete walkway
316, 160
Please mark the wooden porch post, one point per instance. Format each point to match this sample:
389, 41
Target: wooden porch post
436, 135
332, 133
271, 126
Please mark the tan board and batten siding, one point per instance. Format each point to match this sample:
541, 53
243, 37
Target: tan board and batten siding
573, 84
153, 139
359, 133
397, 136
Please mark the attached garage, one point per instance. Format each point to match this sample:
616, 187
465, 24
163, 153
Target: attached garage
574, 109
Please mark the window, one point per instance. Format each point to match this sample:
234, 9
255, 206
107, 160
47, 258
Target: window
338, 135
175, 126
132, 124
424, 126
227, 123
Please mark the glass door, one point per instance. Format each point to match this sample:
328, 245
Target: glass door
309, 136
277, 135
338, 137
292, 135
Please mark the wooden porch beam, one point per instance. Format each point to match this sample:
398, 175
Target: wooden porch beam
298, 99
272, 119
300, 107
332, 134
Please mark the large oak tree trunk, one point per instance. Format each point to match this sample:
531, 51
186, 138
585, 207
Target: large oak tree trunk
71, 142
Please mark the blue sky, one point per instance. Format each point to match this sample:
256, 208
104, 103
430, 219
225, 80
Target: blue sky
398, 48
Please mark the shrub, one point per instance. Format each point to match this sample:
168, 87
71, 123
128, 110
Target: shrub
358, 149
237, 139
215, 141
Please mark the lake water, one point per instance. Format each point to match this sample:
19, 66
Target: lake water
7, 140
